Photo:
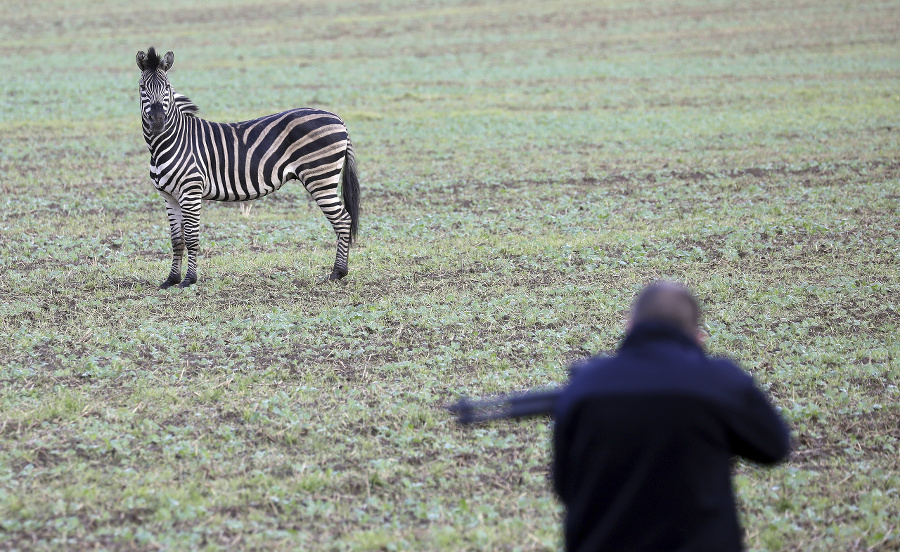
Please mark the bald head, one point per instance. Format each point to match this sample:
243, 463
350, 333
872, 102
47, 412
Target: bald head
669, 303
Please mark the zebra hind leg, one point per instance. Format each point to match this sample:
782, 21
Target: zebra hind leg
324, 192
343, 252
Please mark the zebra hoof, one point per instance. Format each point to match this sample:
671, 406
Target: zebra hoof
187, 282
337, 275
169, 282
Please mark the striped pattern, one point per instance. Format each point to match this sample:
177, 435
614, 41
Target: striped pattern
192, 159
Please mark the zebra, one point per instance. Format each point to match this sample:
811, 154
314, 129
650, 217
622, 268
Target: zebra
192, 159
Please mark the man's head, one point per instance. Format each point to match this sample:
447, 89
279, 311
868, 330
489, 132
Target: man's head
668, 303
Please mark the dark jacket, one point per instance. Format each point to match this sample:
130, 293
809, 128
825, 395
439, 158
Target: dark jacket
644, 441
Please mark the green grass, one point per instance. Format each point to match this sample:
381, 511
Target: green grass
526, 167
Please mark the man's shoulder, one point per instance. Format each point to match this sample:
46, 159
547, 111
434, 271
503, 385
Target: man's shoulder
585, 366
716, 378
729, 370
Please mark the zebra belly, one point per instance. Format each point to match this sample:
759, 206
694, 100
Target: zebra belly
217, 192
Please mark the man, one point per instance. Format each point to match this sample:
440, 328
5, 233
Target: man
644, 440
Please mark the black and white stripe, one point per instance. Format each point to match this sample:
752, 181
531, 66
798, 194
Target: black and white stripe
192, 159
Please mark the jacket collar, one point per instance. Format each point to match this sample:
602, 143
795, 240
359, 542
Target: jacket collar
647, 332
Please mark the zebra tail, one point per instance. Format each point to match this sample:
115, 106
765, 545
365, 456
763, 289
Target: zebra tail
350, 190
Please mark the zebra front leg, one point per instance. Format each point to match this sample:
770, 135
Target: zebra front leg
190, 208
173, 209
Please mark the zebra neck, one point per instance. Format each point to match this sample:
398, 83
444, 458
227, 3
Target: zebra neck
169, 136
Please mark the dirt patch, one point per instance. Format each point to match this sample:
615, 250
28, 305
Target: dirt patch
868, 435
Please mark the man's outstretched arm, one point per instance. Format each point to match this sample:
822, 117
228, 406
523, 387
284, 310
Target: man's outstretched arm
758, 432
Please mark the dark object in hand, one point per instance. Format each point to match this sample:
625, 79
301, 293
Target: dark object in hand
520, 405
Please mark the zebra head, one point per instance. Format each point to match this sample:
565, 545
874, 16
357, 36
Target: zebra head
157, 96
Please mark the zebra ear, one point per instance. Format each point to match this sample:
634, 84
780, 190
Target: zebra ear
168, 60
141, 60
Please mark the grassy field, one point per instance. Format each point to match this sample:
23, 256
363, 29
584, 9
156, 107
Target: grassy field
526, 166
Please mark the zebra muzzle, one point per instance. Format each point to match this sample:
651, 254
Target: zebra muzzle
157, 118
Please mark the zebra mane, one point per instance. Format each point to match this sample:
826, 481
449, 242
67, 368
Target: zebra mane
185, 105
153, 59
